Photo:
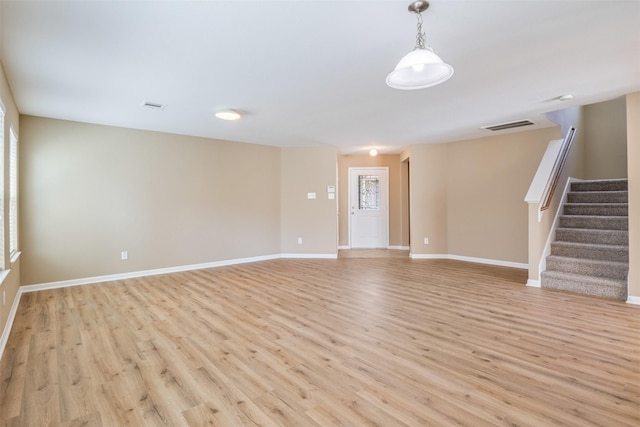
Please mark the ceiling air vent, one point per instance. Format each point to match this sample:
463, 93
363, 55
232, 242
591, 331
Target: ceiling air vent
509, 125
153, 105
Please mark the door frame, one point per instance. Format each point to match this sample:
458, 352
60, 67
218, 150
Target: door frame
385, 201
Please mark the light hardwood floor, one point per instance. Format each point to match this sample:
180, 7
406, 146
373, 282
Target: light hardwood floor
349, 342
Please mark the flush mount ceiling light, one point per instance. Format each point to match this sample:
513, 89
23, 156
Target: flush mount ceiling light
420, 68
373, 152
228, 115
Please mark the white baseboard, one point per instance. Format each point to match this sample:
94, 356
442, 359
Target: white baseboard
429, 256
344, 247
491, 261
533, 283
633, 300
7, 327
472, 259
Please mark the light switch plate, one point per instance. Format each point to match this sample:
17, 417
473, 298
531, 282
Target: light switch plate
311, 195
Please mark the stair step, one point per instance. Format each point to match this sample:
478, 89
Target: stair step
590, 253
600, 209
597, 236
618, 253
598, 197
589, 267
601, 185
595, 221
596, 286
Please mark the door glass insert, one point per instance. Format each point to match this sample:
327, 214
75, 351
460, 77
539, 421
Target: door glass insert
368, 192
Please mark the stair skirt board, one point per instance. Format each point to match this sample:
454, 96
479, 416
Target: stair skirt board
487, 261
557, 220
588, 251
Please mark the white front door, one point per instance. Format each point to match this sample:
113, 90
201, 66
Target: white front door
368, 207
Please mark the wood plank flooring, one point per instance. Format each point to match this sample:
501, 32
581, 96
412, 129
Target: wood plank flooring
345, 342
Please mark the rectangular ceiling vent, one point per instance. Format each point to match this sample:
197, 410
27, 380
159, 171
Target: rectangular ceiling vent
153, 105
509, 125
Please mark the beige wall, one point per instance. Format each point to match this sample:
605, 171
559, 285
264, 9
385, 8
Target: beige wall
308, 170
90, 191
11, 281
428, 198
396, 223
633, 156
605, 137
487, 181
405, 173
467, 197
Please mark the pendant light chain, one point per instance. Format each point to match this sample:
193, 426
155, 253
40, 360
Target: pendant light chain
420, 37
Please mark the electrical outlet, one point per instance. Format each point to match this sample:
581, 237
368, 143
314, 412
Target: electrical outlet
426, 240
124, 255
299, 240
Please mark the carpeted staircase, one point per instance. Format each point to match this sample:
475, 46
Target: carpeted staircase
591, 252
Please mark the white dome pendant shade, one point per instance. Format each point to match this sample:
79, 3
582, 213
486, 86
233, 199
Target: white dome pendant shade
419, 69
422, 67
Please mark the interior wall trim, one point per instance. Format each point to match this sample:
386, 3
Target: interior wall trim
633, 300
4, 338
472, 259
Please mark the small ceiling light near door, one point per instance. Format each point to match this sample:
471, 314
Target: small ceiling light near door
373, 152
228, 115
422, 67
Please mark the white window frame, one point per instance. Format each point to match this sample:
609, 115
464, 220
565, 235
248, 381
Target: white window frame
13, 193
2, 169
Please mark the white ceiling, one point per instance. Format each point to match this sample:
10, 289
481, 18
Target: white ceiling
313, 72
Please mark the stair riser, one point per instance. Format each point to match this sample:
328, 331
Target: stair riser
600, 237
602, 223
608, 185
604, 290
610, 271
598, 197
599, 210
612, 253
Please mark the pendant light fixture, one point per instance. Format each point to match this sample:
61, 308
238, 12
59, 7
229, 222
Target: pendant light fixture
421, 67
